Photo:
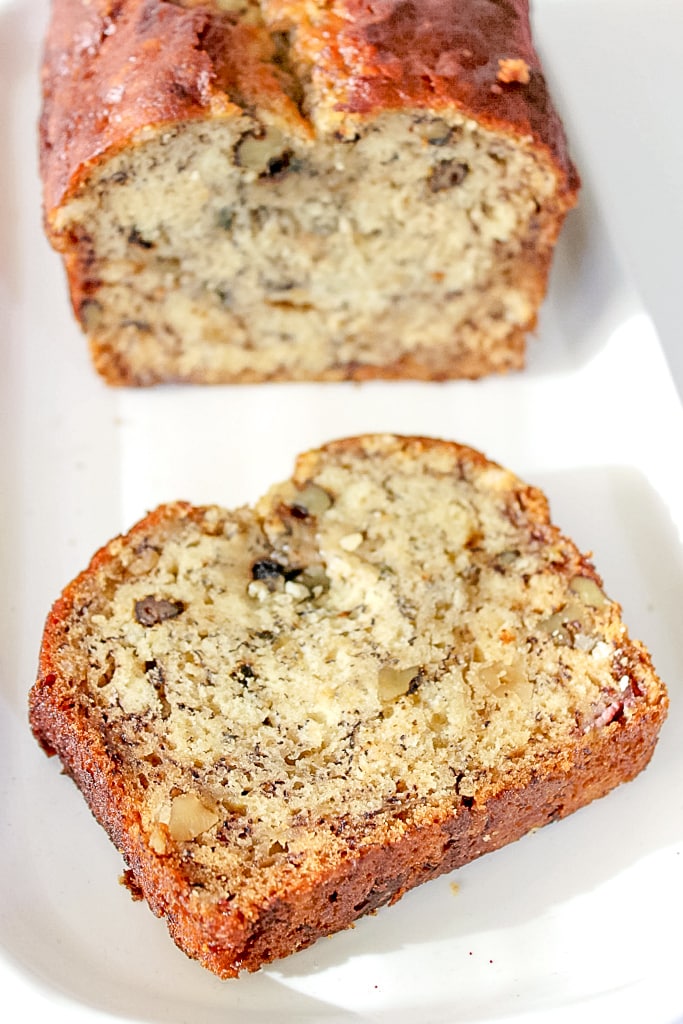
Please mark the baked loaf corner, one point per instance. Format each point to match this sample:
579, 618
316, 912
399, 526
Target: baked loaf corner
287, 716
250, 191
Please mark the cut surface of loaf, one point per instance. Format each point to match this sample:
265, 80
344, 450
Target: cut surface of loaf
329, 189
287, 716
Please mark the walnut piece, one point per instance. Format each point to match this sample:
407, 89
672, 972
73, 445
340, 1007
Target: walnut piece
394, 682
189, 817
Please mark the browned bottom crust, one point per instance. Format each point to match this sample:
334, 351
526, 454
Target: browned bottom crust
370, 875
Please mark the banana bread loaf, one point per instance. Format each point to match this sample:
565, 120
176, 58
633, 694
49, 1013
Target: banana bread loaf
248, 190
287, 716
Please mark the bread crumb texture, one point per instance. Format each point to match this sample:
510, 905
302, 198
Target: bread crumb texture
274, 225
393, 638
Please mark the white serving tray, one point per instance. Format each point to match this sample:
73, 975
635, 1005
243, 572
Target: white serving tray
580, 921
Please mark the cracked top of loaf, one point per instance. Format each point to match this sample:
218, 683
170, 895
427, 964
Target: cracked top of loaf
116, 69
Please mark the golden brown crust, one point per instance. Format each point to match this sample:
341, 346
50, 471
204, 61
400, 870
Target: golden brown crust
367, 870
115, 67
436, 54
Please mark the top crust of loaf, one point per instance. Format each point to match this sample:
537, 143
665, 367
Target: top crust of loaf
474, 55
114, 69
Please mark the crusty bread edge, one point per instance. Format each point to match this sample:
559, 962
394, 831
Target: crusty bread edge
375, 875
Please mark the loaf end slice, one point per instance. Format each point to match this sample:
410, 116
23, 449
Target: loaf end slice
287, 716
248, 191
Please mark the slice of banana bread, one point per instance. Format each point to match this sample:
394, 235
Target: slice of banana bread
287, 716
246, 191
